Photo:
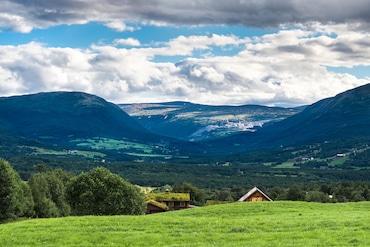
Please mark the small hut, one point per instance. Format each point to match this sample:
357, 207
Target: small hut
153, 207
162, 202
255, 195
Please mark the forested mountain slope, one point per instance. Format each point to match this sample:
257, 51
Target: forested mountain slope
346, 115
56, 116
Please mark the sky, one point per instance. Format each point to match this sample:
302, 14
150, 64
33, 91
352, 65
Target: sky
267, 52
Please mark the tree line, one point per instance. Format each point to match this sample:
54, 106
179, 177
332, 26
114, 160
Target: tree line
325, 193
56, 193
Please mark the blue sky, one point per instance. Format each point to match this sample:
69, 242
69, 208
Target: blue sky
278, 53
83, 36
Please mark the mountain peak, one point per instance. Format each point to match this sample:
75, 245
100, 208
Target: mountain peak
61, 114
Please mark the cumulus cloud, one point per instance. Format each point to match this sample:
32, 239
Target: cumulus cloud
119, 26
283, 68
126, 42
21, 15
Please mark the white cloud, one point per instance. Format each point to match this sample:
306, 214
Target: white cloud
18, 23
119, 26
126, 42
284, 68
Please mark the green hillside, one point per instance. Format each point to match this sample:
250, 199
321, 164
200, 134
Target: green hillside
345, 116
236, 224
57, 115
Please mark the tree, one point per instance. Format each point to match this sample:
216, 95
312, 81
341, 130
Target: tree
197, 196
316, 196
48, 191
277, 193
224, 195
15, 200
44, 206
99, 192
27, 207
238, 192
295, 193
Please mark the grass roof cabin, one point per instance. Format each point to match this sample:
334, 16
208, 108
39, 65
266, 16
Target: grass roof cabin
153, 207
162, 202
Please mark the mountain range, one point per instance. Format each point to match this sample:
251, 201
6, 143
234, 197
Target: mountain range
68, 119
347, 115
195, 122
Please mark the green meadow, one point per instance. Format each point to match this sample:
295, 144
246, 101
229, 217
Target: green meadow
87, 154
234, 224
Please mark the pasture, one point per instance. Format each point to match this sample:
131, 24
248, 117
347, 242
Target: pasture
235, 224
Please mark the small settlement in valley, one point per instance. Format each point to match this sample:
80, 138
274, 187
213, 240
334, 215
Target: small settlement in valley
168, 201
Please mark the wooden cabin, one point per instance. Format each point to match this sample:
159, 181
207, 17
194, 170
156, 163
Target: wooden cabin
255, 195
162, 202
153, 207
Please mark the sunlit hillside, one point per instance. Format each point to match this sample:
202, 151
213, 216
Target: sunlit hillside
235, 224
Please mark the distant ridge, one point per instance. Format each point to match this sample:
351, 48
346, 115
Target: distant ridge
58, 115
196, 122
347, 115
58, 118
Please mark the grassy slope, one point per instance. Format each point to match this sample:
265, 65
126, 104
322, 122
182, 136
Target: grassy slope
237, 224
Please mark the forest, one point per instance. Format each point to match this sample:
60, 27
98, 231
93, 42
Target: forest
52, 192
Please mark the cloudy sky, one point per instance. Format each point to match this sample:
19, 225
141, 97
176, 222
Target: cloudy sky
269, 52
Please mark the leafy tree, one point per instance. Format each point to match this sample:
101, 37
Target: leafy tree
28, 204
48, 191
15, 200
57, 181
366, 194
295, 193
224, 195
197, 196
277, 193
99, 192
316, 196
165, 188
44, 206
343, 191
237, 193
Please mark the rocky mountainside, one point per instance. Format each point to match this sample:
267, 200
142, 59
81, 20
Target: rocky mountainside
195, 122
347, 115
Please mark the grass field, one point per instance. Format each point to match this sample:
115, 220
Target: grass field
111, 144
87, 154
235, 224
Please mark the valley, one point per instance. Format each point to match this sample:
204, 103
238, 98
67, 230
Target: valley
194, 122
208, 146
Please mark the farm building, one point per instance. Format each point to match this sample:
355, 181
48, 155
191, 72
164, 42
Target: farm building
153, 207
255, 195
162, 202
